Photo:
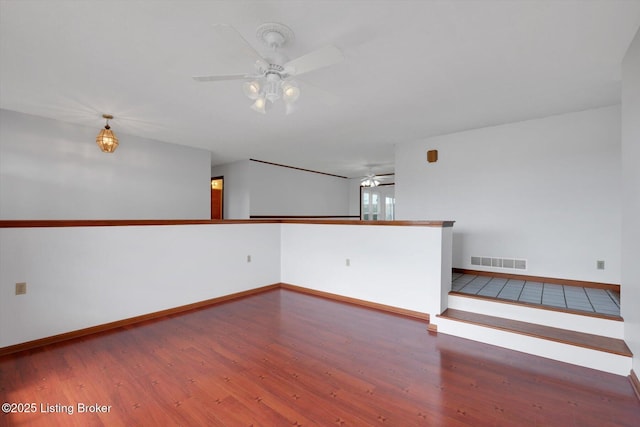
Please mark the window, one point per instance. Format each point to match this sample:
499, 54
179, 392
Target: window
375, 206
389, 208
366, 208
378, 203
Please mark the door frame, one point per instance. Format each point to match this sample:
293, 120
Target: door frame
221, 178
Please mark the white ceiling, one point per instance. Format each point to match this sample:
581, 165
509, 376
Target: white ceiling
413, 69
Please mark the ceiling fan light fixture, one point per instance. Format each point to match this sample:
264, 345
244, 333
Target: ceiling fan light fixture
290, 92
370, 182
106, 139
272, 74
260, 105
272, 89
252, 89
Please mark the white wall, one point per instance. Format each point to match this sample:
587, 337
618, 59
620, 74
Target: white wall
630, 289
277, 190
236, 191
80, 277
253, 188
393, 265
546, 190
55, 170
354, 196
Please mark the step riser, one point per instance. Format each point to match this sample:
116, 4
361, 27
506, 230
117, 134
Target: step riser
556, 319
603, 361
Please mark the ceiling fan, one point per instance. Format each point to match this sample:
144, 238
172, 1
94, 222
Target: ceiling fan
273, 75
373, 180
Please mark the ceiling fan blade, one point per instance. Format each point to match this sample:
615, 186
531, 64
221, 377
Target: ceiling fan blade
223, 77
239, 43
320, 58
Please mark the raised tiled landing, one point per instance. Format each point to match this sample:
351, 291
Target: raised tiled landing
589, 300
570, 321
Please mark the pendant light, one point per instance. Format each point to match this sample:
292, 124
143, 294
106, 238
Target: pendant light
106, 139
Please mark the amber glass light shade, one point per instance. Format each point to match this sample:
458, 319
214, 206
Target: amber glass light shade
106, 139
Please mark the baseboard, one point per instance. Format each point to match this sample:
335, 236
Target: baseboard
635, 383
206, 303
132, 320
552, 280
355, 301
432, 328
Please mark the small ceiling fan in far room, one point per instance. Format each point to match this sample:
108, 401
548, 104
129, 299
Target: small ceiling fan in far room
373, 180
273, 75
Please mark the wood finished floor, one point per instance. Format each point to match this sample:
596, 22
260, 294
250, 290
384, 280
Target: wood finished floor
281, 358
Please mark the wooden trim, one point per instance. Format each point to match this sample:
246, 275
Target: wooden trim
539, 306
221, 177
555, 281
635, 383
158, 222
360, 203
120, 222
432, 328
207, 303
355, 301
132, 320
388, 223
386, 184
301, 216
300, 169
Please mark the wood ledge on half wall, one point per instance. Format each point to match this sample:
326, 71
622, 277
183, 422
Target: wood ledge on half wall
144, 222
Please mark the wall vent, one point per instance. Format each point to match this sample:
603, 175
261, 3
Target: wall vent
509, 263
521, 264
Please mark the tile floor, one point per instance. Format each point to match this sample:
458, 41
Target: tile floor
571, 297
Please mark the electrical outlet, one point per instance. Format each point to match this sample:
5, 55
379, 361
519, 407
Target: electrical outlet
248, 258
21, 288
348, 262
600, 264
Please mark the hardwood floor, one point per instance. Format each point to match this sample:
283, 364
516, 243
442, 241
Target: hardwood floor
281, 358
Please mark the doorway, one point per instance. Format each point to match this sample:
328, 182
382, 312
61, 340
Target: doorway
217, 191
378, 203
